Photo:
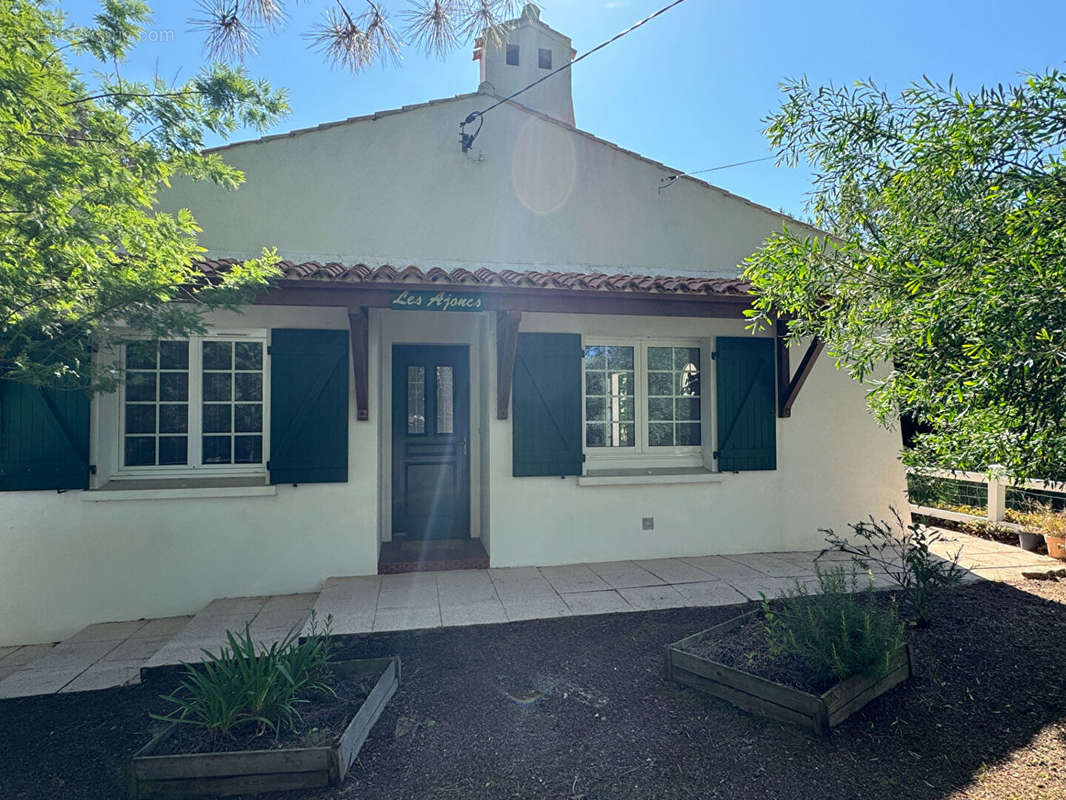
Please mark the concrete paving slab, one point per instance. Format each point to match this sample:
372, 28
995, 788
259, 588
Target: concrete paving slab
573, 578
214, 627
465, 587
405, 591
138, 650
647, 598
28, 682
108, 631
771, 587
773, 566
512, 588
26, 654
6, 651
624, 574
674, 570
501, 575
73, 655
105, 675
359, 586
402, 619
349, 623
473, 614
602, 602
164, 626
710, 593
281, 617
233, 606
289, 602
722, 568
536, 608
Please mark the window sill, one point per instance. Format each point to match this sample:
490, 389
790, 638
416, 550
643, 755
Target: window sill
648, 477
179, 489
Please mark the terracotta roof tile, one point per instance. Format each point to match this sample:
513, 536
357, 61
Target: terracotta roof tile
334, 272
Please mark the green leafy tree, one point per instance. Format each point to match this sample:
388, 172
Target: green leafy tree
942, 282
83, 251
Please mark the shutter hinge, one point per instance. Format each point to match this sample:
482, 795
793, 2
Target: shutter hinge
714, 454
268, 465
582, 458
92, 469
269, 349
714, 355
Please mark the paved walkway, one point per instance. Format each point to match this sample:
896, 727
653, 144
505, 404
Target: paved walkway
114, 653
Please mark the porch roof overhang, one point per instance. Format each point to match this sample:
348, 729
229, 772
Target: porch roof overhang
509, 293
359, 286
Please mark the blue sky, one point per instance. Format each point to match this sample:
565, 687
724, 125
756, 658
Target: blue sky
690, 88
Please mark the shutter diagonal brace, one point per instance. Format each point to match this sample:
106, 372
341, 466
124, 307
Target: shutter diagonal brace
543, 399
740, 407
341, 361
83, 458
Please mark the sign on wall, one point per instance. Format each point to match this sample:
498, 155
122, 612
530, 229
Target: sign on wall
435, 301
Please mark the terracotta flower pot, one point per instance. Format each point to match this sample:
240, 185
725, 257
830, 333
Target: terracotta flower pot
1056, 546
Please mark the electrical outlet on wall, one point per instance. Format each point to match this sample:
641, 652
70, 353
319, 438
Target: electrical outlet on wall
647, 523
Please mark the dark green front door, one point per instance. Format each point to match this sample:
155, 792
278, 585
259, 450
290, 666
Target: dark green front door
430, 442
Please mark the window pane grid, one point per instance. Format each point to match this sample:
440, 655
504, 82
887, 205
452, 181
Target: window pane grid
193, 402
232, 423
673, 397
155, 408
610, 401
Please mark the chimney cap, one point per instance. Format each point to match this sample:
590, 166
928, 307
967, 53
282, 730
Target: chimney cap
531, 11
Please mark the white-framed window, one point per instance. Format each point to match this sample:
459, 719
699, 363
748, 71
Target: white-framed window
195, 405
642, 402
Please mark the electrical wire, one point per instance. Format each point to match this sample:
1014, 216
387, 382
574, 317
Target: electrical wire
468, 140
670, 180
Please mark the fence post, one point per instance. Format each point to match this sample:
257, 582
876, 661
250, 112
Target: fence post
997, 494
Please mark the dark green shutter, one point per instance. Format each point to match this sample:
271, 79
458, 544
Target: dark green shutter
308, 406
547, 404
44, 438
747, 421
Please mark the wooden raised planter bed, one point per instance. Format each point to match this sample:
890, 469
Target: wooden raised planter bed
253, 771
819, 713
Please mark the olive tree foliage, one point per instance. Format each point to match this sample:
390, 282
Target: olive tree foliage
84, 253
943, 282
353, 34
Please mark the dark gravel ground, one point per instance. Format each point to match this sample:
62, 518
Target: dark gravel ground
577, 709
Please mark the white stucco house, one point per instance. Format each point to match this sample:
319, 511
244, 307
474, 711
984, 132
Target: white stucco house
523, 352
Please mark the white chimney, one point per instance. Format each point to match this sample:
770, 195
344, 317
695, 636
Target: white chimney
523, 51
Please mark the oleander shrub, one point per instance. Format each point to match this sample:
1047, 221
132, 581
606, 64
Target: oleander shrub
837, 632
248, 684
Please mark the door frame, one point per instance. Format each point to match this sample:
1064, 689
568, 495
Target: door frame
389, 327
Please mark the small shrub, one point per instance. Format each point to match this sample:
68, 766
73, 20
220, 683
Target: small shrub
903, 552
1041, 519
836, 633
248, 684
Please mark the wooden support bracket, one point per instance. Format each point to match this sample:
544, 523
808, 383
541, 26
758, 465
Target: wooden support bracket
507, 323
789, 388
359, 327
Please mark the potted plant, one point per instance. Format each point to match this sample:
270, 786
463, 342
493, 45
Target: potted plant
1030, 540
1049, 524
256, 719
